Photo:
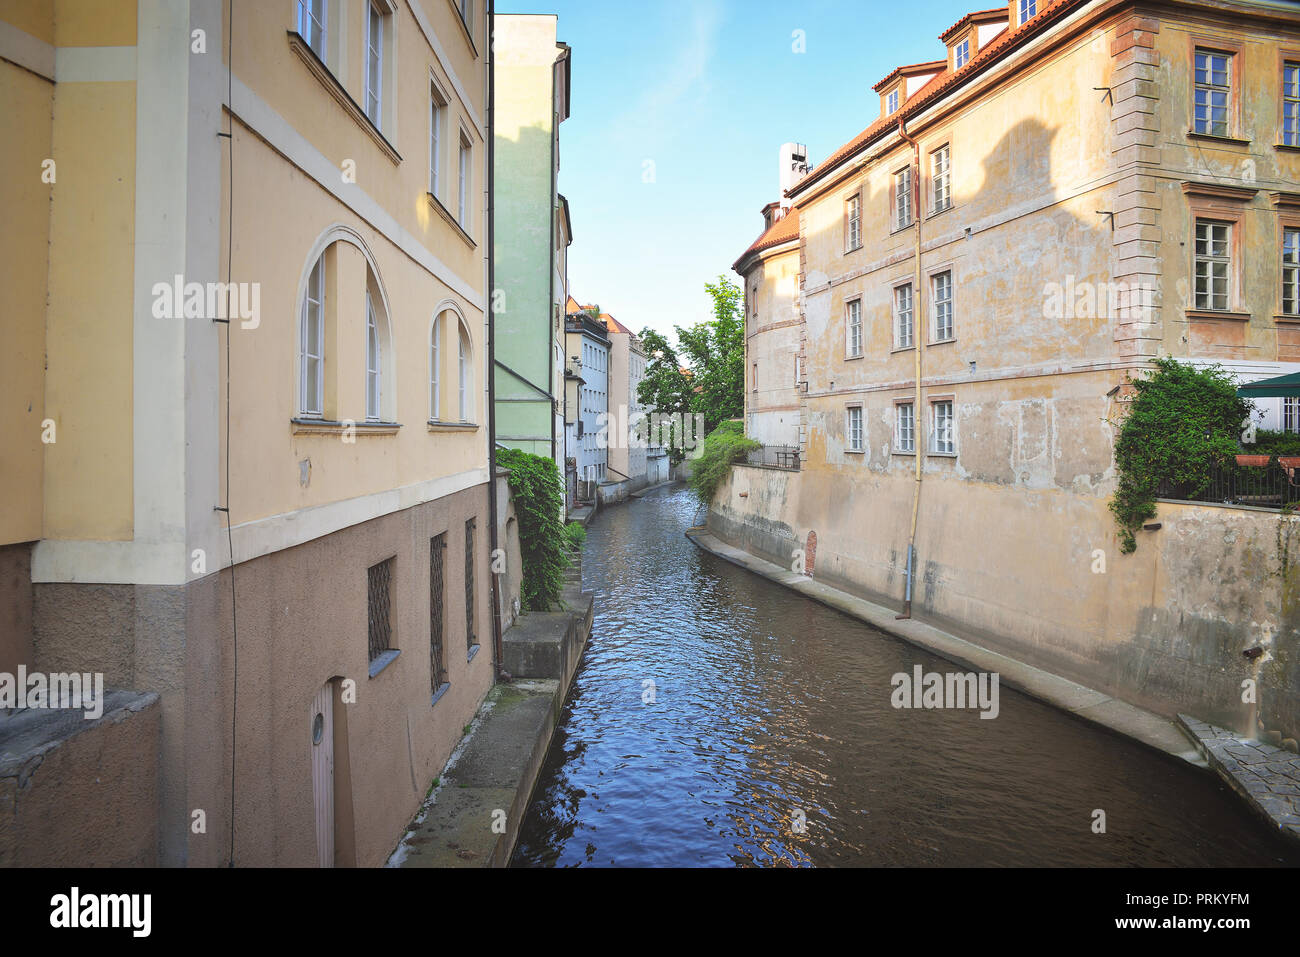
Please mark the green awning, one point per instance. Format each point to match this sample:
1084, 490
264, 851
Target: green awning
1283, 385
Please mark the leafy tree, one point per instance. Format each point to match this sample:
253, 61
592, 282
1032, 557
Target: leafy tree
716, 350
665, 388
1184, 420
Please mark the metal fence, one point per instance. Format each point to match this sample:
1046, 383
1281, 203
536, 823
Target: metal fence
775, 456
1263, 486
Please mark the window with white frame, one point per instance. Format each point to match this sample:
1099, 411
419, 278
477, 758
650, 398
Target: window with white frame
466, 170
435, 370
891, 102
1291, 415
374, 363
437, 119
903, 197
1213, 92
374, 63
1027, 9
941, 296
853, 329
942, 440
853, 431
961, 54
940, 179
903, 316
1291, 104
1291, 271
904, 427
466, 8
465, 375
853, 214
1213, 264
311, 24
311, 344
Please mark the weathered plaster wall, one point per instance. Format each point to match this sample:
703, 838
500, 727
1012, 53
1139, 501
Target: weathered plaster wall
772, 340
302, 622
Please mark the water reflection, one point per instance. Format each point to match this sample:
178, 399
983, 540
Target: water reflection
768, 738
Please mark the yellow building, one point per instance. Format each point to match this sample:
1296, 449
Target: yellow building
326, 426
1070, 188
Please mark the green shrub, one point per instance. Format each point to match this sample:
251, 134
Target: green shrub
576, 533
724, 446
1269, 442
1183, 420
538, 496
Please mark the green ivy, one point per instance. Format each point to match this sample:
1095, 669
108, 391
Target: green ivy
1183, 420
538, 497
724, 446
576, 534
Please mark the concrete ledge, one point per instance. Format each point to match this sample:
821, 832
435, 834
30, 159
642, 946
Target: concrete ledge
1266, 777
1092, 706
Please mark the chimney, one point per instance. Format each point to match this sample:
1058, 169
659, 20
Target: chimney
794, 167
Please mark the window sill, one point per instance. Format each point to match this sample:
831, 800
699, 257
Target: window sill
901, 229
939, 212
445, 213
1283, 317
1216, 138
854, 358
332, 85
436, 425
1217, 314
384, 660
442, 690
853, 249
1287, 147
473, 650
329, 427
897, 349
900, 452
942, 455
942, 342
855, 451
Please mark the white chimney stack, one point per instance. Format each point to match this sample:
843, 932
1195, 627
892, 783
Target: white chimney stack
794, 167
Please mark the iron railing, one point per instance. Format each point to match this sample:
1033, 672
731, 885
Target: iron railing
1262, 486
775, 456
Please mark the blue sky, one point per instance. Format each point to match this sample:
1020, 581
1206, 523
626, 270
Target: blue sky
708, 90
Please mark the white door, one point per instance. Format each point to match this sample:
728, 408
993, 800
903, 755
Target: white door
322, 771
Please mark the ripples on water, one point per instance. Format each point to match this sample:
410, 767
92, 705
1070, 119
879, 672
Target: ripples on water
768, 705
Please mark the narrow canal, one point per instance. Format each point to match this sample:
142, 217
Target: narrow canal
770, 739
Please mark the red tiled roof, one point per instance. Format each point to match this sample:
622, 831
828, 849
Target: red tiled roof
912, 69
784, 229
1002, 43
571, 307
613, 325
979, 16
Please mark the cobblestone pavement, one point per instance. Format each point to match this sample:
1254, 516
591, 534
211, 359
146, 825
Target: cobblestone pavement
1267, 777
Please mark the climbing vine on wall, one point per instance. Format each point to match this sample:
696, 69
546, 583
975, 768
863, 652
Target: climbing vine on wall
724, 446
1183, 420
538, 497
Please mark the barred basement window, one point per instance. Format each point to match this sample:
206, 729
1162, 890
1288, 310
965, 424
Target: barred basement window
437, 578
470, 639
379, 582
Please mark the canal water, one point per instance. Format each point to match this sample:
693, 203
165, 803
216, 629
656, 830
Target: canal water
768, 738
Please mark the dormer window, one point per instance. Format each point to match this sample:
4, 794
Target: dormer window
891, 102
961, 54
1027, 9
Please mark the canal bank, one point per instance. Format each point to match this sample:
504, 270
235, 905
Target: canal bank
471, 816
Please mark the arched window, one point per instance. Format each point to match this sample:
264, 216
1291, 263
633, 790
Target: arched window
311, 344
465, 375
374, 359
379, 355
435, 374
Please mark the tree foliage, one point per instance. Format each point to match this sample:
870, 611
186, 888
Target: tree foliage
1183, 420
538, 497
724, 446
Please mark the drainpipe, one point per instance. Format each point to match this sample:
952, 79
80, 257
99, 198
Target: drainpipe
497, 650
917, 339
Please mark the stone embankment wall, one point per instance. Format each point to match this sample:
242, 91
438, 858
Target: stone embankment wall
1037, 574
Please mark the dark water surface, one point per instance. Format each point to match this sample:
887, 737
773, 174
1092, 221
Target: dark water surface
769, 707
